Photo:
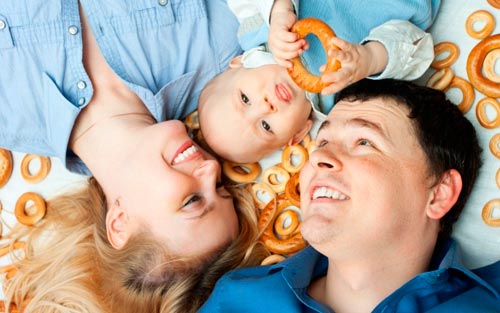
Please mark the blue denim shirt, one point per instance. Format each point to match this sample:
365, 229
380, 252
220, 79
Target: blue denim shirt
447, 287
164, 50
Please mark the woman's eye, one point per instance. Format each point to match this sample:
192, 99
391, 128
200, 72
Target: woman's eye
266, 126
192, 200
222, 191
245, 99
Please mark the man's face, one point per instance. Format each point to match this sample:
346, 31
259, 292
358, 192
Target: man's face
366, 186
246, 114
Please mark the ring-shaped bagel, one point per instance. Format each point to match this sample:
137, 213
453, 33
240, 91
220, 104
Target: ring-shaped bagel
489, 65
441, 79
498, 178
299, 74
42, 172
442, 47
467, 93
487, 213
241, 173
192, 121
277, 177
20, 210
292, 190
261, 187
475, 65
481, 112
5, 166
286, 223
286, 158
495, 145
12, 307
494, 3
15, 246
480, 15
270, 240
272, 259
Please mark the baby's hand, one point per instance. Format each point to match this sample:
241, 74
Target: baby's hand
283, 43
357, 62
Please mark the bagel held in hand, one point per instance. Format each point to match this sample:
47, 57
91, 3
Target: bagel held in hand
346, 62
300, 75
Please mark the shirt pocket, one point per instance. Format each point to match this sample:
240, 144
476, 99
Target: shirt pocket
173, 99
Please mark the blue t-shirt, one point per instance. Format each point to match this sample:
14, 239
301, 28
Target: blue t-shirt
447, 287
164, 50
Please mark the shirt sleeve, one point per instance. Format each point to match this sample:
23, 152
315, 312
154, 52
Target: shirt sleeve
410, 49
253, 17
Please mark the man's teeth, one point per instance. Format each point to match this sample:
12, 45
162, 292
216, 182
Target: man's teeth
182, 156
324, 192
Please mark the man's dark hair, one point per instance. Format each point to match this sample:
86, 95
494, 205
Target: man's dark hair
448, 138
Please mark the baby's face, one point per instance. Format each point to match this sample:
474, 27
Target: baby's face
246, 114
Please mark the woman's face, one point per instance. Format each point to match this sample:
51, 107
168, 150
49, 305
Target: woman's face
170, 186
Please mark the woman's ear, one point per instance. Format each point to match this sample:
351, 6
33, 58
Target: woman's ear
301, 134
117, 228
445, 194
236, 62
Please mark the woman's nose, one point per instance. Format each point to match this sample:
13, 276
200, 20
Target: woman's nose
208, 169
322, 159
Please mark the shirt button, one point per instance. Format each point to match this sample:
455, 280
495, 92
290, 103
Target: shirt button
81, 101
162, 2
2, 24
73, 30
81, 84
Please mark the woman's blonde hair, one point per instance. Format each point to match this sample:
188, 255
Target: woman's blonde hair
71, 267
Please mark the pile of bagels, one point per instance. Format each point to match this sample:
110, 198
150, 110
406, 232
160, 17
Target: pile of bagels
482, 77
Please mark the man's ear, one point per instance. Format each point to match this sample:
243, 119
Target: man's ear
445, 194
301, 133
117, 228
236, 62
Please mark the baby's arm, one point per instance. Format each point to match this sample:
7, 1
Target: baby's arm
283, 43
396, 49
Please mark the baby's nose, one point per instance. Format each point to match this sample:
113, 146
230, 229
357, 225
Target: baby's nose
270, 107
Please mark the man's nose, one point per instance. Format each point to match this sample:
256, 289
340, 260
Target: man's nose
323, 159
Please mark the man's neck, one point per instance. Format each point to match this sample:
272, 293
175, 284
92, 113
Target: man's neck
360, 285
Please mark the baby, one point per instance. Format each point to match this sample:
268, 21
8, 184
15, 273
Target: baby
254, 108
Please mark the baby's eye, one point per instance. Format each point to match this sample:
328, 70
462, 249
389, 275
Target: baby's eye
245, 99
266, 126
192, 200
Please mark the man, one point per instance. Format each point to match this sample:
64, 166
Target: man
394, 166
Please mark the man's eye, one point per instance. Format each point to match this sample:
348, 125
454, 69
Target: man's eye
192, 200
364, 142
266, 126
321, 143
245, 99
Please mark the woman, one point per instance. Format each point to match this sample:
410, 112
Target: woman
100, 76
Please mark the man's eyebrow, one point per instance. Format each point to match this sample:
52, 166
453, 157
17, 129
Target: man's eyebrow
325, 124
361, 122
